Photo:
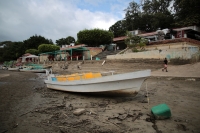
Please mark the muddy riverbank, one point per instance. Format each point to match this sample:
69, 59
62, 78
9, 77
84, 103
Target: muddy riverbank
28, 106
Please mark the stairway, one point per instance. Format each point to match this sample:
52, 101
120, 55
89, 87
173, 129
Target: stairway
103, 54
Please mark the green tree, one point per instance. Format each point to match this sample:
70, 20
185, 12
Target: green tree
12, 50
187, 12
20, 49
154, 14
146, 23
134, 42
1, 54
159, 12
162, 21
132, 16
34, 41
47, 48
3, 50
61, 41
156, 6
119, 28
95, 37
70, 39
32, 51
65, 41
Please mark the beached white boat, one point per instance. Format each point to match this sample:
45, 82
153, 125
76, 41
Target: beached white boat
126, 81
13, 69
33, 70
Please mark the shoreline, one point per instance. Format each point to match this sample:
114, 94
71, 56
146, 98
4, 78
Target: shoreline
28, 106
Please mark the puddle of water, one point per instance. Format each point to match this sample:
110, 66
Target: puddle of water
40, 76
32, 79
1, 83
4, 75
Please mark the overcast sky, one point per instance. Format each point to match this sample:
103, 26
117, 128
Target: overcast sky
55, 19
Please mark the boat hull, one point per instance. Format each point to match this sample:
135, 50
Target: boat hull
126, 82
33, 70
13, 69
133, 85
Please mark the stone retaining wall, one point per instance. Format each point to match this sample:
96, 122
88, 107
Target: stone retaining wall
176, 40
177, 49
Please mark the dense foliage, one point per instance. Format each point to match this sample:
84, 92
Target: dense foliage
119, 28
34, 41
134, 42
187, 12
65, 41
151, 15
11, 50
95, 37
48, 48
32, 51
14, 50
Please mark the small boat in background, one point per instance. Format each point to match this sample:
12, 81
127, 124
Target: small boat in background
28, 69
37, 66
13, 69
95, 82
7, 64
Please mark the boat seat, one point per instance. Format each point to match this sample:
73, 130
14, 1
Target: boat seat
77, 76
92, 75
88, 75
61, 78
97, 75
72, 77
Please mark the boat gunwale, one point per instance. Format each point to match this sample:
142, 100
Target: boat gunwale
32, 70
50, 83
110, 78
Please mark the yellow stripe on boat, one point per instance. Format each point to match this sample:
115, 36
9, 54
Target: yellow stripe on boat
77, 76
97, 75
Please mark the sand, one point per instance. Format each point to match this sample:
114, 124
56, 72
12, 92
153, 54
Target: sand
28, 106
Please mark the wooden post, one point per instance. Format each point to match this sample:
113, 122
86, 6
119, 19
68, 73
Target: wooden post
103, 62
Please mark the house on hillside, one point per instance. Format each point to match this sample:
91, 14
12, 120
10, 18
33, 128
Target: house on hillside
70, 52
2, 46
28, 58
178, 43
192, 32
179, 49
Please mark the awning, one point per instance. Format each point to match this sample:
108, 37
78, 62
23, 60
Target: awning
70, 50
31, 56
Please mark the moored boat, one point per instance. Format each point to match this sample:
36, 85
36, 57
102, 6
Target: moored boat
38, 66
95, 82
13, 69
33, 70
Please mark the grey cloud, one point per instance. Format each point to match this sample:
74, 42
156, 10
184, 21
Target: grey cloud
53, 19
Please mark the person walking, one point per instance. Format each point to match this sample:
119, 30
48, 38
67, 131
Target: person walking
165, 65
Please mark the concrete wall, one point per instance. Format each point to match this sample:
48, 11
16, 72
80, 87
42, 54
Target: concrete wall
171, 51
176, 40
169, 46
43, 58
93, 51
